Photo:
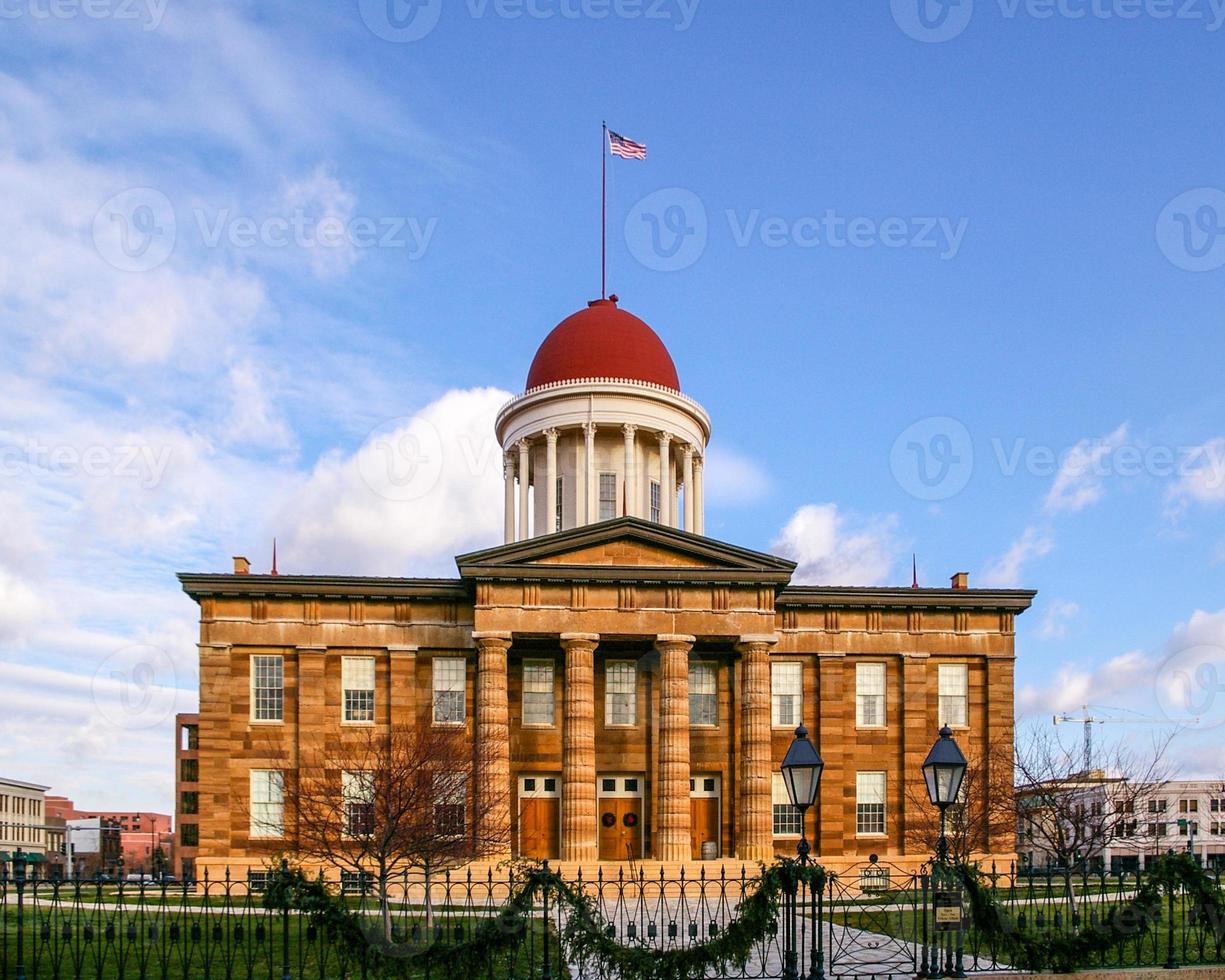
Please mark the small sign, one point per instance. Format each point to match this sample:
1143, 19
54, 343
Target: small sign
947, 905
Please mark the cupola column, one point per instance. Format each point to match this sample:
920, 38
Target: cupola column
687, 458
666, 499
508, 475
699, 499
550, 482
525, 530
589, 488
672, 834
631, 474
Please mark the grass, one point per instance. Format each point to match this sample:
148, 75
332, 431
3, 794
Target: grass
201, 946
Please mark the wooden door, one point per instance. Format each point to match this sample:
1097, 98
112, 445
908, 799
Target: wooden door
703, 822
620, 829
539, 826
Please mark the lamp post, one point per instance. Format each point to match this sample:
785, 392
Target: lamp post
19, 880
802, 768
943, 772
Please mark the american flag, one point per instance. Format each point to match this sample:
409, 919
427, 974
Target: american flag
626, 149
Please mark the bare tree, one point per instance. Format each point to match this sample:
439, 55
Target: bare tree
985, 818
386, 802
1072, 816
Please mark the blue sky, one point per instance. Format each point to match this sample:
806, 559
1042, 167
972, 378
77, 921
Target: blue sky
961, 232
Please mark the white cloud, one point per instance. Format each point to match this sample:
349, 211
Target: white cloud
831, 548
420, 490
324, 202
1004, 572
1073, 685
1081, 471
1201, 479
1059, 615
731, 479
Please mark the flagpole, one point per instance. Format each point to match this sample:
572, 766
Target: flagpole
604, 212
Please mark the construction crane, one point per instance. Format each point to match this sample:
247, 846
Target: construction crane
1089, 721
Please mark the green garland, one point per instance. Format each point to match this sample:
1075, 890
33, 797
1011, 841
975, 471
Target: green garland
1067, 953
586, 936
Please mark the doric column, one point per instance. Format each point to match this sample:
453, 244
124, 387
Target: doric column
665, 468
687, 458
672, 834
492, 788
631, 472
699, 500
550, 481
578, 804
755, 829
525, 485
592, 506
508, 475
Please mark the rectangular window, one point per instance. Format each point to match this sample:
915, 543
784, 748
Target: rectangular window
954, 682
450, 680
267, 803
450, 802
620, 693
357, 683
870, 695
189, 770
538, 692
785, 693
870, 803
268, 688
557, 515
655, 499
703, 694
189, 835
786, 816
189, 802
354, 882
357, 792
608, 496
257, 881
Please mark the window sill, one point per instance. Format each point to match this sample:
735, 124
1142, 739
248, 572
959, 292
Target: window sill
450, 724
613, 727
705, 728
871, 728
267, 721
786, 836
531, 726
871, 836
356, 724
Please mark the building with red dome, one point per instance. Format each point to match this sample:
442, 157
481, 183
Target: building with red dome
629, 684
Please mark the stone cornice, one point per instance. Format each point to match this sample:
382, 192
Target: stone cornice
1016, 600
199, 586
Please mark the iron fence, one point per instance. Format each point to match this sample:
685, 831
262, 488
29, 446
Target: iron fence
873, 919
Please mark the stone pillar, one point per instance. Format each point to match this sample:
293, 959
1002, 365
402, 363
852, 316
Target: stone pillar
666, 503
918, 733
699, 499
550, 482
836, 806
672, 833
508, 476
578, 801
632, 496
687, 458
221, 793
755, 829
525, 489
402, 687
492, 790
590, 488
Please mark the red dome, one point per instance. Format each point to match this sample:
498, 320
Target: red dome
603, 341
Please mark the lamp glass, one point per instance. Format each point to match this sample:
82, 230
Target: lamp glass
944, 769
802, 768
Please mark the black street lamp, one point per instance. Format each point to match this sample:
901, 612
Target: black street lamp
802, 767
943, 770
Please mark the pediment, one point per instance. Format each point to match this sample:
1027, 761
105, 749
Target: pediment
626, 547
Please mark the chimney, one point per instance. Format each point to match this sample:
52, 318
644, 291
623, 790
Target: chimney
241, 565
961, 581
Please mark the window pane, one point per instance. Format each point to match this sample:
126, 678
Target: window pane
608, 496
267, 803
620, 690
785, 687
786, 818
954, 694
449, 690
655, 502
870, 803
268, 688
703, 694
538, 692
